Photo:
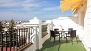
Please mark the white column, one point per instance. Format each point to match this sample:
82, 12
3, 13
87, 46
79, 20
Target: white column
87, 27
79, 26
39, 36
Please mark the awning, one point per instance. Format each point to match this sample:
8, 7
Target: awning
70, 4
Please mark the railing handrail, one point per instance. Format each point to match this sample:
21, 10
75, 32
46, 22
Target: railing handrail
19, 37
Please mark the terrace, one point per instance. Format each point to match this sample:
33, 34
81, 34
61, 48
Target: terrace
62, 46
34, 35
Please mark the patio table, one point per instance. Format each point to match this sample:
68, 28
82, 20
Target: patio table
64, 33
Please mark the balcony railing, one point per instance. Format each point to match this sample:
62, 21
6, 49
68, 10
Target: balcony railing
16, 40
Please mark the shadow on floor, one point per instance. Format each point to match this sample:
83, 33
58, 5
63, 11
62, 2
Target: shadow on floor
50, 43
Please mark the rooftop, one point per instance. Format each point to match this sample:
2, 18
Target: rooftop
62, 46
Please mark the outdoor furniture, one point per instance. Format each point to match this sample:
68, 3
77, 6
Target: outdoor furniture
56, 31
71, 34
64, 33
68, 34
54, 34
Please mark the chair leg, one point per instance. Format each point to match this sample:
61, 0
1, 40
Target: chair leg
72, 41
66, 38
76, 40
59, 37
50, 37
54, 39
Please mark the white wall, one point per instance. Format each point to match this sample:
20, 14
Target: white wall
38, 40
84, 19
81, 11
45, 38
65, 22
87, 27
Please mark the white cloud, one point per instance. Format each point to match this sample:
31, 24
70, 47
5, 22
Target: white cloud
13, 15
30, 5
6, 1
52, 8
9, 5
25, 4
8, 14
29, 1
44, 1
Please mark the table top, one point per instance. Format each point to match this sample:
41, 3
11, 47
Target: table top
63, 31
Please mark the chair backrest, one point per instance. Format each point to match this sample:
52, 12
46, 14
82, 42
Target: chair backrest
70, 30
56, 31
52, 33
73, 33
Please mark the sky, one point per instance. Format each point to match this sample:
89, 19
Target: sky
28, 9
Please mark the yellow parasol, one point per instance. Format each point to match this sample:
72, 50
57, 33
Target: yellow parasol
70, 4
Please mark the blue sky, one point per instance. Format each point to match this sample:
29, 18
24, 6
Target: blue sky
28, 9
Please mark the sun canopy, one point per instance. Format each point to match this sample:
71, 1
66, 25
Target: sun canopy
70, 4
